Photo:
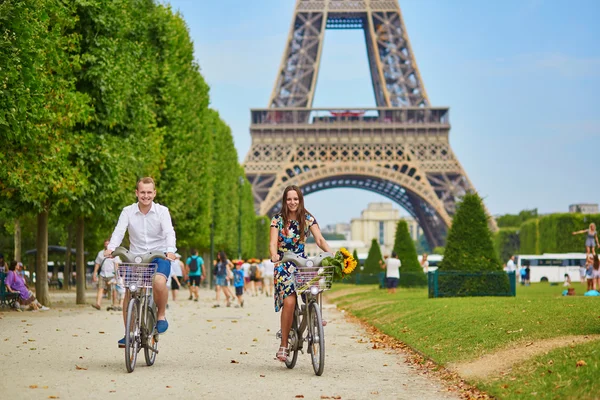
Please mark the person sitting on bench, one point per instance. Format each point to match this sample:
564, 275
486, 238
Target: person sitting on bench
15, 284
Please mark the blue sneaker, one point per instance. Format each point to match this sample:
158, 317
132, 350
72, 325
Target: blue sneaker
122, 343
162, 325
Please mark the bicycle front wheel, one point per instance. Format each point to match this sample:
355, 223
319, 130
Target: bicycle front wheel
132, 335
151, 346
316, 345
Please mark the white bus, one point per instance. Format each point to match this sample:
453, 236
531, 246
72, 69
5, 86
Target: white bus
551, 267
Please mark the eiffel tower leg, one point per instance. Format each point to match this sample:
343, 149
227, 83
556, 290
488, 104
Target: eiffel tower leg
297, 77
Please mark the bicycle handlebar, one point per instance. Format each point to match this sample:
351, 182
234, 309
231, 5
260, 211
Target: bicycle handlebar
129, 257
304, 262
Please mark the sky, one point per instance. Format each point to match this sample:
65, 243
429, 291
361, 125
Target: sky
521, 78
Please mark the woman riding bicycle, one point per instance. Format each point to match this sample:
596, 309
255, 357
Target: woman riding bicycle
289, 230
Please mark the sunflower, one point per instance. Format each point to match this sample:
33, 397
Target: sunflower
349, 265
345, 253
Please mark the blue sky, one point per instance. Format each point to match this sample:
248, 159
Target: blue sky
521, 78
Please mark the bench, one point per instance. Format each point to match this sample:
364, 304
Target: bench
7, 298
55, 284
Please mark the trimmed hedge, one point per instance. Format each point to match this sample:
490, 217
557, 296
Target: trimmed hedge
506, 242
372, 262
529, 237
553, 233
411, 274
470, 249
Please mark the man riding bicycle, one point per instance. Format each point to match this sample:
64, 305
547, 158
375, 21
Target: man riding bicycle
150, 229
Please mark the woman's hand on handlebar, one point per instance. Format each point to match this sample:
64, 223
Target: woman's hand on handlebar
275, 258
171, 256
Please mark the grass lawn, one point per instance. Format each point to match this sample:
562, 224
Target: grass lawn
461, 329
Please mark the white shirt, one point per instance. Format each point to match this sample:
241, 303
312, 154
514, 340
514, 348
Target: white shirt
176, 268
510, 266
246, 267
147, 232
393, 268
107, 269
269, 267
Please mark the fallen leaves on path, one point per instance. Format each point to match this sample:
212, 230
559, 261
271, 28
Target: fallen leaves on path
77, 367
243, 352
33, 386
234, 362
581, 363
299, 396
424, 365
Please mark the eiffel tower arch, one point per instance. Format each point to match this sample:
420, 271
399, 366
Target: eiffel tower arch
399, 149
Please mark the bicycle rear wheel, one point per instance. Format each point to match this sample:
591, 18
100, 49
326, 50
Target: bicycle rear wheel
151, 341
316, 338
132, 335
293, 343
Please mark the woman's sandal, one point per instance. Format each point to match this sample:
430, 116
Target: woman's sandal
282, 354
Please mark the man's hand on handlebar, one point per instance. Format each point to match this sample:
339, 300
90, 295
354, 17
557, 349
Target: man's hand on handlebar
171, 256
108, 253
275, 259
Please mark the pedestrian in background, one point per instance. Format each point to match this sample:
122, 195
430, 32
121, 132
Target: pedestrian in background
104, 274
176, 276
195, 266
425, 263
238, 283
269, 270
591, 240
392, 272
222, 269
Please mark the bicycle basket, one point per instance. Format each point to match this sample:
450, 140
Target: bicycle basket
307, 277
139, 275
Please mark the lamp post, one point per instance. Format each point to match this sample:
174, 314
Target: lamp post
241, 181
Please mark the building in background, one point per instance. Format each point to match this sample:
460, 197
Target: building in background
339, 228
379, 221
584, 208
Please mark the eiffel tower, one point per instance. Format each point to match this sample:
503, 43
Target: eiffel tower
399, 149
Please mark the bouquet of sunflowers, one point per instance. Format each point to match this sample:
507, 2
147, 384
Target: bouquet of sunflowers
343, 263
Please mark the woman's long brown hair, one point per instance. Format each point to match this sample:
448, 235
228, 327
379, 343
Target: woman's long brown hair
300, 213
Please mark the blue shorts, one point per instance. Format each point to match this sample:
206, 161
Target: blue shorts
163, 267
391, 283
220, 281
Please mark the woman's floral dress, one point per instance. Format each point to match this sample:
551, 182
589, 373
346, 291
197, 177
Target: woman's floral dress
288, 240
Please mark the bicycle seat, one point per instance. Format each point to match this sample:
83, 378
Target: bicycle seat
302, 262
129, 257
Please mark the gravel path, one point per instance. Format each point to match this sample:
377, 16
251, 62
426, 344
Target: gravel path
70, 352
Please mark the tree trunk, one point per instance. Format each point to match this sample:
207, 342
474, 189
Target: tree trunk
18, 240
80, 262
67, 270
41, 276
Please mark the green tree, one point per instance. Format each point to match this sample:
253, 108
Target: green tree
355, 256
263, 229
514, 221
470, 248
38, 107
372, 265
439, 250
412, 274
186, 181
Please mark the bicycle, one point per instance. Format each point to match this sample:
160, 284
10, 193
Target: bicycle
135, 274
311, 279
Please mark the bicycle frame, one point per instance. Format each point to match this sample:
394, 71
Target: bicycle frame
140, 332
311, 280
